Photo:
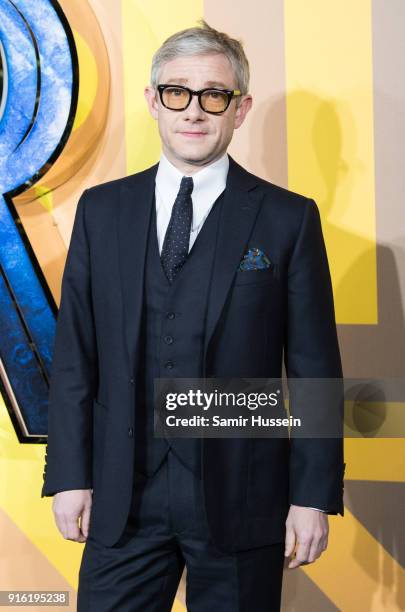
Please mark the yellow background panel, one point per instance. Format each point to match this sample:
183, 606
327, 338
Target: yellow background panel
329, 89
145, 26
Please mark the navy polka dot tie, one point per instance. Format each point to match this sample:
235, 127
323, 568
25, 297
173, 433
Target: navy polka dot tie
175, 245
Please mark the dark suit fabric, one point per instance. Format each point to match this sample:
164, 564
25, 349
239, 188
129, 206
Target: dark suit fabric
167, 528
247, 484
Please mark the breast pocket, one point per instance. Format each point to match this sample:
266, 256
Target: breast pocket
255, 277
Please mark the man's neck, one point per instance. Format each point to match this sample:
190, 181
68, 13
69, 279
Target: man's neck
190, 168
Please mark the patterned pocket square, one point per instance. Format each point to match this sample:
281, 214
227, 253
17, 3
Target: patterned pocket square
254, 259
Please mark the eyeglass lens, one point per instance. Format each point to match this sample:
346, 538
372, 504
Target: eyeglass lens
212, 100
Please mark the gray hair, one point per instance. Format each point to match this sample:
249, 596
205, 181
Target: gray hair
203, 40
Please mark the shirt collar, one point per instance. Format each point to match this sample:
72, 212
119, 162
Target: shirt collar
209, 183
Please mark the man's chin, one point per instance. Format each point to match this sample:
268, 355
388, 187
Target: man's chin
196, 158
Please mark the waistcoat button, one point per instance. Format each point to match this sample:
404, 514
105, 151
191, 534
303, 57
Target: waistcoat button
130, 432
170, 315
168, 339
169, 365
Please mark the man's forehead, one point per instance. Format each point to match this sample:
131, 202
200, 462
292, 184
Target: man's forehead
185, 81
215, 69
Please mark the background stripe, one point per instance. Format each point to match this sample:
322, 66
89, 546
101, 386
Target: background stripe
328, 50
145, 25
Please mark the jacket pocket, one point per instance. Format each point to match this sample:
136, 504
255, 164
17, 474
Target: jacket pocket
268, 471
255, 277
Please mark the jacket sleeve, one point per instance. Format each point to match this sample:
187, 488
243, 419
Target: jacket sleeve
68, 463
311, 351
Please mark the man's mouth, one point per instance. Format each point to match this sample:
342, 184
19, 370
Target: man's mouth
191, 134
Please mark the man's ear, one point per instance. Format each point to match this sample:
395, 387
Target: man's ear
242, 110
151, 100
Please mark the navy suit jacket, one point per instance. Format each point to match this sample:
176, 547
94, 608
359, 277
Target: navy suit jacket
254, 322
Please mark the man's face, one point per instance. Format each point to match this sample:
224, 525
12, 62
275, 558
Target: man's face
193, 138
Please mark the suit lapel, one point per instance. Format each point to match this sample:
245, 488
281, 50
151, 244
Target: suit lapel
136, 201
239, 211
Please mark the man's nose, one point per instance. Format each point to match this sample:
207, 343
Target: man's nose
194, 110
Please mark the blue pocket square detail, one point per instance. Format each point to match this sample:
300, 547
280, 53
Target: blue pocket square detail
254, 259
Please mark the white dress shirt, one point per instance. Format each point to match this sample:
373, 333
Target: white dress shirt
209, 183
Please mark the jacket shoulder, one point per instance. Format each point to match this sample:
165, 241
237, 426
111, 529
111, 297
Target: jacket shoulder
272, 192
283, 208
113, 187
289, 205
102, 201
282, 194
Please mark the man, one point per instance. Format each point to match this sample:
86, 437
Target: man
153, 287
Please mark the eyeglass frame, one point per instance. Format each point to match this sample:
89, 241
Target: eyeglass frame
231, 93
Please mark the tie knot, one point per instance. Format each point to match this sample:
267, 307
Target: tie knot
186, 186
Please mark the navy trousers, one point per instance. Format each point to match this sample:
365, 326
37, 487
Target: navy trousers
167, 530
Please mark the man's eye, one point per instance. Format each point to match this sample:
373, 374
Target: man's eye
176, 92
215, 95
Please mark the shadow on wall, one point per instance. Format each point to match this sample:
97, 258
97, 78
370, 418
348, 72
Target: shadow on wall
368, 351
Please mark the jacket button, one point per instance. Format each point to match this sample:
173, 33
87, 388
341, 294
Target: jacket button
131, 380
169, 365
171, 315
168, 339
130, 432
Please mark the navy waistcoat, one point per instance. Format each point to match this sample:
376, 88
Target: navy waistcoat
172, 338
